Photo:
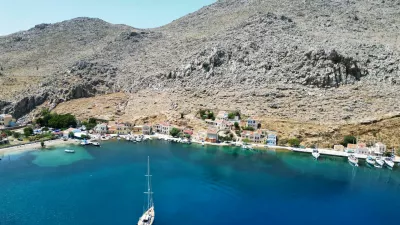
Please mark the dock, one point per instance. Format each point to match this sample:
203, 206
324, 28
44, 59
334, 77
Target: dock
336, 153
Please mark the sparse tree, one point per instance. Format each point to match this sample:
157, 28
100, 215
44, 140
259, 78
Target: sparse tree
28, 131
236, 124
294, 142
349, 140
174, 132
16, 134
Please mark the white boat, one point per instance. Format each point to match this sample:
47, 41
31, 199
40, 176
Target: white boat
370, 160
148, 215
379, 161
353, 160
69, 151
389, 162
85, 142
315, 153
96, 144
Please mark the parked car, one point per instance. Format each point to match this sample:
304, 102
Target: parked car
20, 139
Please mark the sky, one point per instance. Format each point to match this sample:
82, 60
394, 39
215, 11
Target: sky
17, 15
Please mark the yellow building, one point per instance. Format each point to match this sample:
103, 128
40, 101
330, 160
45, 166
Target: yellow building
118, 128
5, 120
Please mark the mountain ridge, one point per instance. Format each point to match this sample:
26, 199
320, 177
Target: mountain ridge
311, 61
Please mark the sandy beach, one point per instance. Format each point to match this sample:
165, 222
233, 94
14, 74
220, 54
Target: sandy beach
36, 146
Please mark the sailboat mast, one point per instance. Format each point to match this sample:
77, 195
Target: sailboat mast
148, 182
148, 192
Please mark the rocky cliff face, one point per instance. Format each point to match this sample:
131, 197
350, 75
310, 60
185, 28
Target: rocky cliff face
311, 60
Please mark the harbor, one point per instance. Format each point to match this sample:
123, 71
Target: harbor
270, 181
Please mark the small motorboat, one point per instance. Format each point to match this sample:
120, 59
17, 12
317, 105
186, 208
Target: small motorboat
379, 161
246, 146
370, 160
97, 144
353, 160
69, 151
389, 162
315, 153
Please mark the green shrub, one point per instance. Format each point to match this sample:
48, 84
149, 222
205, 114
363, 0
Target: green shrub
90, 124
8, 132
248, 128
28, 131
282, 141
174, 132
388, 154
59, 121
16, 135
349, 140
236, 124
294, 142
246, 140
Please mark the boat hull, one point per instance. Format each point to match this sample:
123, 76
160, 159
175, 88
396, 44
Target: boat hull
147, 218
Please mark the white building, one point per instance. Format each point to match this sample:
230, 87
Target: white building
163, 128
253, 122
100, 128
378, 149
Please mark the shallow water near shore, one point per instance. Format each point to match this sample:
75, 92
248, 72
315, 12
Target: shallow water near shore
193, 185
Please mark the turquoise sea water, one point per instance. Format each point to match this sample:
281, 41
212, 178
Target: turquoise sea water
193, 185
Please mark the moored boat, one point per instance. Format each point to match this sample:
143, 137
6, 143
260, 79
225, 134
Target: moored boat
353, 160
97, 144
69, 151
315, 153
389, 162
370, 160
148, 216
379, 161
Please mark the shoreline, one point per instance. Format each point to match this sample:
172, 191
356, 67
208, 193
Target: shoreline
59, 142
35, 146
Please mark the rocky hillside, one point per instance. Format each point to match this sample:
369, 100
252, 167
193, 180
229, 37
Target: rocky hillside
310, 60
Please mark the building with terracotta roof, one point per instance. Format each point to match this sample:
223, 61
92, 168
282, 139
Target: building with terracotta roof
118, 128
212, 135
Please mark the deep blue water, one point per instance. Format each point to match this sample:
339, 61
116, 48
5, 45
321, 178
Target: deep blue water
193, 185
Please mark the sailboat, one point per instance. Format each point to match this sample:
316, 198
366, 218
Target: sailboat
148, 215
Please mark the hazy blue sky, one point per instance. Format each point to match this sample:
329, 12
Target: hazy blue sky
17, 15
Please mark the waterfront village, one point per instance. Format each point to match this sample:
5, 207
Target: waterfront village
226, 128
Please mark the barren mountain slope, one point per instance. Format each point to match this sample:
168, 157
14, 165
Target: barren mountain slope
311, 61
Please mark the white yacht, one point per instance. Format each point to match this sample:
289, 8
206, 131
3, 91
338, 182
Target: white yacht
315, 153
379, 161
370, 160
148, 215
389, 162
353, 160
69, 151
